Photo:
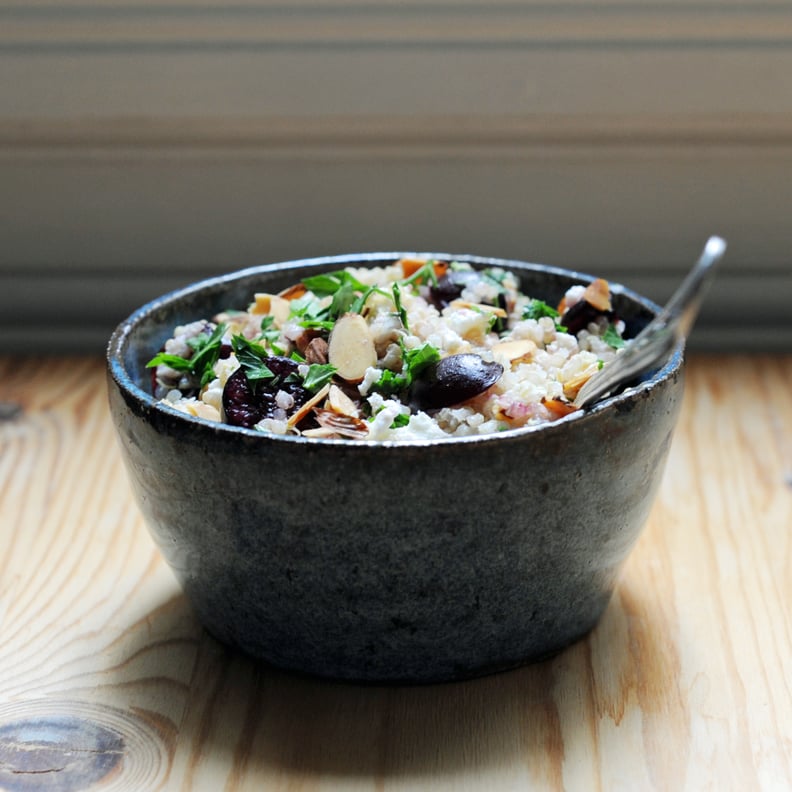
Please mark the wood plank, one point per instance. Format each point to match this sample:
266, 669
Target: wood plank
108, 682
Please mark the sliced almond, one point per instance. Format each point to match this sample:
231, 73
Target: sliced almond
340, 403
558, 408
293, 292
316, 351
351, 348
411, 265
299, 414
203, 410
342, 425
320, 432
480, 307
516, 351
574, 384
272, 305
598, 295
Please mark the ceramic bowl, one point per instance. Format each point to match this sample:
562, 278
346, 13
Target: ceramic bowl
408, 562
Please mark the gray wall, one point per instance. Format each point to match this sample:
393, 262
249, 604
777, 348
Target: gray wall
145, 145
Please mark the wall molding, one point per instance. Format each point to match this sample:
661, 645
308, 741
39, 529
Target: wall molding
87, 322
399, 135
179, 25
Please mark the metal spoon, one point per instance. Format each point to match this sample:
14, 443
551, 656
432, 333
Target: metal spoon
656, 341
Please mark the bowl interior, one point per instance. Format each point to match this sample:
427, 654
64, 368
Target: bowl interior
142, 335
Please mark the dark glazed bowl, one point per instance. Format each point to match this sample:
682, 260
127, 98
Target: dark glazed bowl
409, 562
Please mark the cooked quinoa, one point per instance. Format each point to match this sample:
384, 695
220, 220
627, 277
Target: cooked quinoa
411, 351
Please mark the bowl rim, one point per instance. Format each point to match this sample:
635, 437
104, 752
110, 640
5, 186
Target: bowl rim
119, 339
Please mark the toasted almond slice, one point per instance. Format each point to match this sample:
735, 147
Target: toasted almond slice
322, 432
271, 304
480, 307
517, 351
299, 414
598, 294
559, 408
411, 265
316, 351
342, 425
340, 403
573, 385
203, 410
351, 348
293, 292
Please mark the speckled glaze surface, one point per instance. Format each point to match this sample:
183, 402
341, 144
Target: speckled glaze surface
383, 562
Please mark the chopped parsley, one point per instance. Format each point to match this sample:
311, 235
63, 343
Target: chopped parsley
268, 332
348, 294
400, 310
342, 286
612, 338
318, 375
206, 351
414, 362
496, 275
328, 283
426, 274
536, 309
310, 314
402, 419
360, 302
251, 357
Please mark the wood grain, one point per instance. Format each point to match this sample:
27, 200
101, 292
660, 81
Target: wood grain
108, 682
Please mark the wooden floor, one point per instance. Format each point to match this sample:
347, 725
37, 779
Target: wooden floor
108, 682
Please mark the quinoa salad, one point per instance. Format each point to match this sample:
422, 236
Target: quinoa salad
416, 350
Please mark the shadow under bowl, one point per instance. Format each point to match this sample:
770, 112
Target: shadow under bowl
391, 562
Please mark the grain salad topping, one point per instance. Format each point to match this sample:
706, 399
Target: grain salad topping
416, 350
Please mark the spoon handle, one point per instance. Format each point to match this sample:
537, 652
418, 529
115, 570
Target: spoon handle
656, 341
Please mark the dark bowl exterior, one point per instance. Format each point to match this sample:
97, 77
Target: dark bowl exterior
391, 562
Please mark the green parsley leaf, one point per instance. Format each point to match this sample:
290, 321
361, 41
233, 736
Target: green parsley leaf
399, 307
307, 309
206, 351
318, 375
418, 359
496, 275
324, 284
342, 300
536, 309
359, 302
317, 324
251, 357
206, 354
414, 362
174, 361
612, 338
331, 282
426, 274
390, 382
400, 420
268, 332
